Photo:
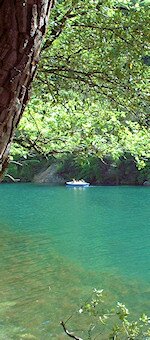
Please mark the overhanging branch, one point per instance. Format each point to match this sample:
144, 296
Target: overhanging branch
70, 334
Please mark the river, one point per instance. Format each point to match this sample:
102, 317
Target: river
59, 243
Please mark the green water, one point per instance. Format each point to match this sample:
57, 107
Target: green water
58, 243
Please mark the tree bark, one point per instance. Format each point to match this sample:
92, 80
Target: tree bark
22, 27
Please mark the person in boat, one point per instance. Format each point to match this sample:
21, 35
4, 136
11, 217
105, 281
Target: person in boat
78, 181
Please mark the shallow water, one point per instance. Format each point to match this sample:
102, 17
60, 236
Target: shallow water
57, 243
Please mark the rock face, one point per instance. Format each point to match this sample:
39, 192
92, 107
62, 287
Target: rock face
146, 183
49, 175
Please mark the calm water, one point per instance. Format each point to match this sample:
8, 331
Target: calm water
58, 243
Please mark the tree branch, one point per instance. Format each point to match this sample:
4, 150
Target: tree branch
69, 333
101, 75
56, 31
12, 178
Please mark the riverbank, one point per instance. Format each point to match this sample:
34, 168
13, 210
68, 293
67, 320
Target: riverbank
98, 172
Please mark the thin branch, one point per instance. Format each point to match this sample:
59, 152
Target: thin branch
114, 31
12, 178
58, 30
100, 89
17, 163
69, 333
101, 75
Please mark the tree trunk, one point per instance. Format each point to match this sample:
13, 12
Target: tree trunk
22, 27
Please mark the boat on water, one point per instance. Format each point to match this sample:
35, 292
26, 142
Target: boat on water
79, 183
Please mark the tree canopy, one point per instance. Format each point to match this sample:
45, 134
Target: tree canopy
91, 94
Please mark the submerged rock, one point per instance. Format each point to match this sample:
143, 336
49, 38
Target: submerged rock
27, 336
50, 175
7, 304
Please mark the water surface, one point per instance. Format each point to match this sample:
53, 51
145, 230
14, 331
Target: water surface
58, 243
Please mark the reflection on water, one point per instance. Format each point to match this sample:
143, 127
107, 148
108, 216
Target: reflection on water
42, 278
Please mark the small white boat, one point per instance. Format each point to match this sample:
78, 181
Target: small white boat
80, 183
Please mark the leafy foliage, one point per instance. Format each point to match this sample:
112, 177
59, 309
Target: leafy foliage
80, 127
114, 324
97, 47
91, 94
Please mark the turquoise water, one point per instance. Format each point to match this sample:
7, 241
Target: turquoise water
58, 243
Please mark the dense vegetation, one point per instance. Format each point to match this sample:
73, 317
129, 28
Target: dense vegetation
91, 96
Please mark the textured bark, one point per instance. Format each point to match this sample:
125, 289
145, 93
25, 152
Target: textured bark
22, 27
